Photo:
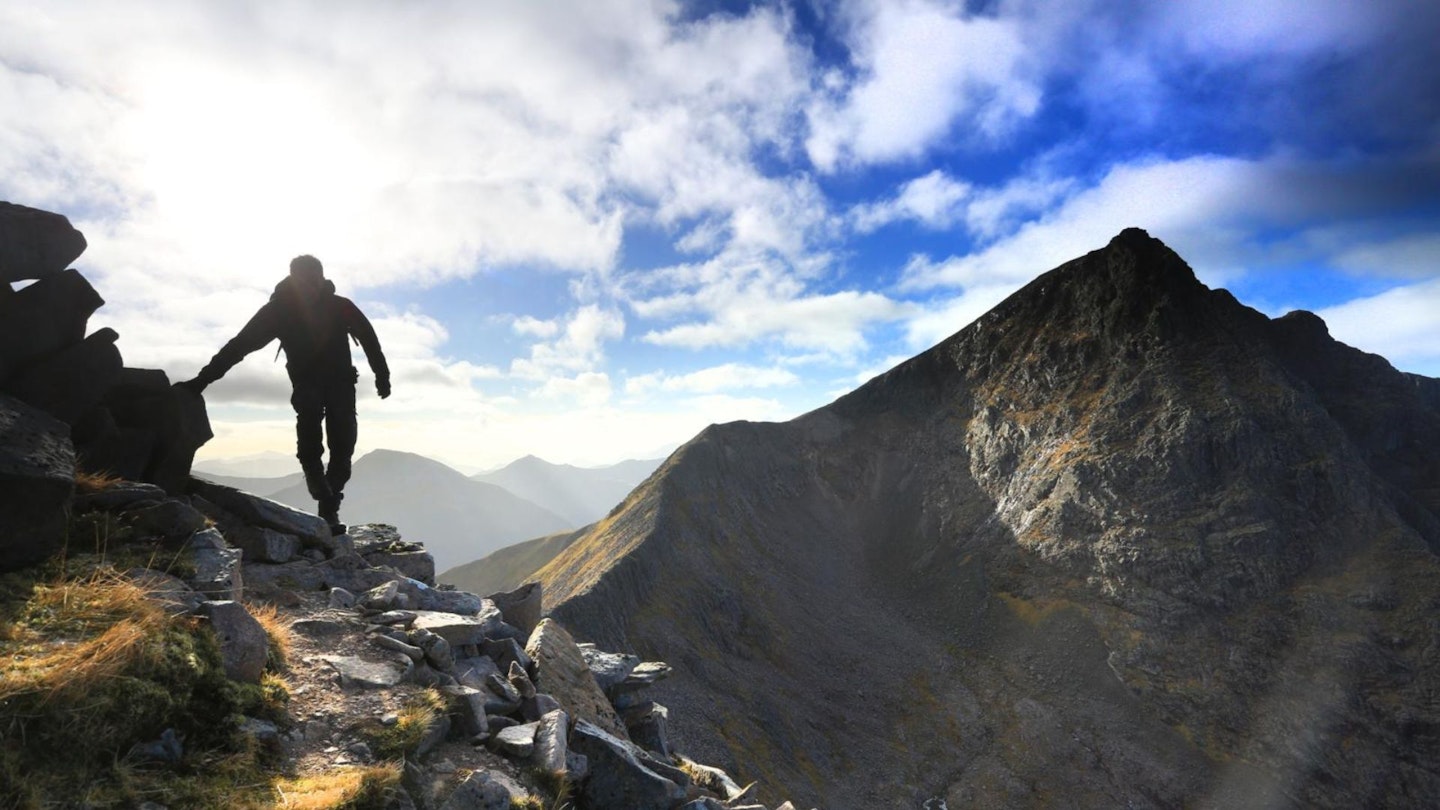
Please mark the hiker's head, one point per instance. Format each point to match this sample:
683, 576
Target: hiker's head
307, 272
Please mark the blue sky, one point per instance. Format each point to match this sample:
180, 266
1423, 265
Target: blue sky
585, 231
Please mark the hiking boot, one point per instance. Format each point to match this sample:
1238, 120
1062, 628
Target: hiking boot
330, 513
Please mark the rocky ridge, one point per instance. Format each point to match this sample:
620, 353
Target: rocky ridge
1121, 542
94, 463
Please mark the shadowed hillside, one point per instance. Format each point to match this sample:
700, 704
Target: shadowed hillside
1121, 542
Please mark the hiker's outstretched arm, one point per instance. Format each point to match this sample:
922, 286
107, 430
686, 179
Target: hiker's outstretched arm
360, 327
260, 330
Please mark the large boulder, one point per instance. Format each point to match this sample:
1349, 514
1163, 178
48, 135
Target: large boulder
146, 425
35, 243
523, 606
560, 671
243, 642
619, 777
44, 318
257, 511
72, 381
37, 480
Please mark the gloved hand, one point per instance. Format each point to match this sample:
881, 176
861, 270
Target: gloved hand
382, 387
195, 386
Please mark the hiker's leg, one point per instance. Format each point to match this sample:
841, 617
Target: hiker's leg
309, 448
340, 432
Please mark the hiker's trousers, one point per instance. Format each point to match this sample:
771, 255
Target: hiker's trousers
329, 404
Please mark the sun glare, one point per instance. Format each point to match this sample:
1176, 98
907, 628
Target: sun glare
258, 166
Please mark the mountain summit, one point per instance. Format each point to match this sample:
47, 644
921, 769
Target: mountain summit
1120, 542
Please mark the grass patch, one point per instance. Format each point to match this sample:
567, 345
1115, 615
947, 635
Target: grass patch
277, 629
415, 721
89, 667
88, 482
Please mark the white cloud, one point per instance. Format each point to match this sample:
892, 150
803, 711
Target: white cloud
579, 348
1400, 324
716, 379
588, 389
923, 69
1414, 256
934, 200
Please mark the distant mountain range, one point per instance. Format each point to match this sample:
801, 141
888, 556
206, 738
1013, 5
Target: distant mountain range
461, 519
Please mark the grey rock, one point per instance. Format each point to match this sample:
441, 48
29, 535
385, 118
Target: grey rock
72, 381
37, 479
516, 742
507, 651
259, 544
609, 669
458, 629
408, 650
371, 537
435, 734
417, 565
481, 790
403, 618
341, 598
704, 803
646, 674
450, 601
618, 778
577, 766
243, 642
382, 597
44, 318
169, 518
170, 592
264, 733
713, 779
467, 707
180, 424
323, 626
358, 672
437, 650
650, 729
35, 243
296, 575
560, 671
551, 732
474, 672
168, 749
218, 572
520, 682
533, 708
119, 497
497, 722
522, 607
257, 511
426, 675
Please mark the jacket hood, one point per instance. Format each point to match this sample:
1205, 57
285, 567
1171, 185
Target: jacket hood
287, 288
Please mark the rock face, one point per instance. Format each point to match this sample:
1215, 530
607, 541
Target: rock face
1122, 540
126, 422
37, 479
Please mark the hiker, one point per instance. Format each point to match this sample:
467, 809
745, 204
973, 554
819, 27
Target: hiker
313, 324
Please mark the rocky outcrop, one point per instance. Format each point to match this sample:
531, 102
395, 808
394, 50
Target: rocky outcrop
1139, 544
124, 421
509, 696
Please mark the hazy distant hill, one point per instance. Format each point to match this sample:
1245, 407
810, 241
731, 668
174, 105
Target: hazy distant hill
509, 567
268, 464
259, 486
456, 518
1122, 542
581, 495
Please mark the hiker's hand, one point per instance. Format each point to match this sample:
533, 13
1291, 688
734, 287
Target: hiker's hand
382, 387
195, 386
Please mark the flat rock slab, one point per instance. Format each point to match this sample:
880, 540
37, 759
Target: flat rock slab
364, 674
561, 671
516, 742
460, 630
258, 511
118, 497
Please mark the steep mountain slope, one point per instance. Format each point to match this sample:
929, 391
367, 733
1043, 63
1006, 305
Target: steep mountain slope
1120, 542
457, 519
578, 494
511, 566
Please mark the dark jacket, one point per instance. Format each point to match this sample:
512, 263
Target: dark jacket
314, 331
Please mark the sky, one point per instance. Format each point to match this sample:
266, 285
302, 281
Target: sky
585, 231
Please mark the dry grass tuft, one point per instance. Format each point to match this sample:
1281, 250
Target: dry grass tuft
278, 629
75, 635
353, 787
87, 482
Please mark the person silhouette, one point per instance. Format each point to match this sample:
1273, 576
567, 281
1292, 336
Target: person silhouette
314, 326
